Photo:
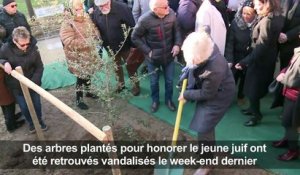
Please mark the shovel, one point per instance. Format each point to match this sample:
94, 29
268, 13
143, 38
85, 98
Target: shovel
165, 170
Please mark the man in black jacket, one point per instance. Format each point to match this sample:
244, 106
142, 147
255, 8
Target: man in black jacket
11, 18
288, 38
111, 17
158, 36
21, 50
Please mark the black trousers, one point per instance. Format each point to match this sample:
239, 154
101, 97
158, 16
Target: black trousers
9, 113
239, 77
255, 108
82, 84
288, 122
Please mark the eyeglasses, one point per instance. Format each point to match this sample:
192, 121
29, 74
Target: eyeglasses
165, 8
106, 4
22, 45
13, 6
79, 9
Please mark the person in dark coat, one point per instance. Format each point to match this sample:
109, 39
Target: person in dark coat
158, 36
214, 87
186, 15
174, 4
238, 42
261, 61
290, 77
7, 101
288, 37
22, 51
11, 18
110, 17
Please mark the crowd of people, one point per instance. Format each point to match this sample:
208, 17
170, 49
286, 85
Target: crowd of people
223, 44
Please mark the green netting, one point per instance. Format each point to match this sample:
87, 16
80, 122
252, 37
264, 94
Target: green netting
230, 128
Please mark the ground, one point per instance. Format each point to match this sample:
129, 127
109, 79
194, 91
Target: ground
132, 124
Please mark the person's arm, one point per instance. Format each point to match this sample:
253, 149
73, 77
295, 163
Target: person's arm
137, 37
26, 23
210, 86
267, 37
68, 36
230, 42
136, 10
186, 15
293, 34
39, 69
202, 19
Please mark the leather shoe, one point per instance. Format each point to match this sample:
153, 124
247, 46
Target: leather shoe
246, 112
154, 107
171, 106
283, 143
252, 122
290, 155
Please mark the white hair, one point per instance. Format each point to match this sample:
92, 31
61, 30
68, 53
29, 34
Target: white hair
197, 48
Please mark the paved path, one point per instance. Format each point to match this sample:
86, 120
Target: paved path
51, 50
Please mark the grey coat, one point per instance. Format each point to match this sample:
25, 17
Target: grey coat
214, 92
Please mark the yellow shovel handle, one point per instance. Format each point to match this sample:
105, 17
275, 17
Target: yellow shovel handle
179, 114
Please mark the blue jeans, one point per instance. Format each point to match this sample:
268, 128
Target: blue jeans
36, 100
168, 71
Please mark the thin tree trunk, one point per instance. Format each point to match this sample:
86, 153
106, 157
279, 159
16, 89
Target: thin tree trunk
29, 8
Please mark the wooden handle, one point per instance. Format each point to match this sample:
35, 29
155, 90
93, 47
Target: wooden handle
179, 114
87, 125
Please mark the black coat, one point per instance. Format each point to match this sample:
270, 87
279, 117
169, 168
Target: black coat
214, 92
237, 43
110, 25
157, 35
9, 22
262, 59
30, 61
186, 15
291, 28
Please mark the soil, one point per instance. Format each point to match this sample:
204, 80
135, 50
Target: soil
133, 123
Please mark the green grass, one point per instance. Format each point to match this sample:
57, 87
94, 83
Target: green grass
36, 4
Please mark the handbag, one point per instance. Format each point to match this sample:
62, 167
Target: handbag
276, 89
274, 86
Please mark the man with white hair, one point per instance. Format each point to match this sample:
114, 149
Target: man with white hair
158, 36
213, 91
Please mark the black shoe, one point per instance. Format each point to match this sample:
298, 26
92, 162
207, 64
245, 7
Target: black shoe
17, 125
91, 95
250, 122
283, 143
171, 105
17, 116
253, 121
246, 112
154, 107
81, 105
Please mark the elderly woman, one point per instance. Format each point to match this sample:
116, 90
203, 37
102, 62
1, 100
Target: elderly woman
79, 37
261, 61
22, 51
238, 42
214, 86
